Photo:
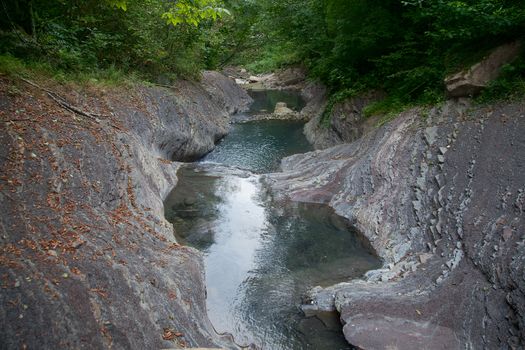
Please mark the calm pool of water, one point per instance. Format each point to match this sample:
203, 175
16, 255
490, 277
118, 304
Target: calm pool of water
260, 255
259, 146
264, 101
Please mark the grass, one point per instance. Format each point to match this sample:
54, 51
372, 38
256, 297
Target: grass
271, 58
110, 77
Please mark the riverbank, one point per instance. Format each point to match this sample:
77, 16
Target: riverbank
87, 259
439, 193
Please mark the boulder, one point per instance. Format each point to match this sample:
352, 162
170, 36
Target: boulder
281, 109
240, 81
290, 76
255, 79
472, 81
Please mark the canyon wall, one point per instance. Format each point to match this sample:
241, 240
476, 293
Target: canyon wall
87, 259
440, 194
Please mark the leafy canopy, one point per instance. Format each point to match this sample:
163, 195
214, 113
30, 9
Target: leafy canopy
404, 47
156, 38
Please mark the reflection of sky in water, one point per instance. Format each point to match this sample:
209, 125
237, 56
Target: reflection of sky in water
237, 236
261, 256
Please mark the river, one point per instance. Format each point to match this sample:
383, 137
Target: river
261, 254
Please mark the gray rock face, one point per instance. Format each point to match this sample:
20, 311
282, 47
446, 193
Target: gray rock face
441, 200
196, 116
472, 81
346, 124
87, 260
288, 78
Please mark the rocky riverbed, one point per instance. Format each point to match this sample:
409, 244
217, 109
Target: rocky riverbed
87, 259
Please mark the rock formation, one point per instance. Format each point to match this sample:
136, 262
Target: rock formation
282, 110
470, 82
87, 260
347, 122
442, 201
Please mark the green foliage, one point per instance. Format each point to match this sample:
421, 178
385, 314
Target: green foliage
276, 57
154, 39
110, 76
385, 106
226, 40
404, 48
193, 12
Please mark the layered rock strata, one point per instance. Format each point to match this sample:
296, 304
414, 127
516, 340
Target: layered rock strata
440, 194
87, 260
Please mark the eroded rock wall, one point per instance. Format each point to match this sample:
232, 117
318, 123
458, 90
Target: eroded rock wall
346, 123
87, 260
440, 195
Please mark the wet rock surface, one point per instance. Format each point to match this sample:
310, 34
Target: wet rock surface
87, 259
441, 199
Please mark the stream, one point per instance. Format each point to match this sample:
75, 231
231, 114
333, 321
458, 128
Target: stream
262, 254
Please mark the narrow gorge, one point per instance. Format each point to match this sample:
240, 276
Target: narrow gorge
278, 254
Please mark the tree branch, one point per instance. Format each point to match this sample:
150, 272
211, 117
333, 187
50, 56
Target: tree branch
63, 103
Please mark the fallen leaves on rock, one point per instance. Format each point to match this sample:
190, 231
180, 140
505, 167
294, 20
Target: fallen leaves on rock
170, 334
101, 292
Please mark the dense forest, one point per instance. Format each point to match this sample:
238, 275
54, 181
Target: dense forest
402, 47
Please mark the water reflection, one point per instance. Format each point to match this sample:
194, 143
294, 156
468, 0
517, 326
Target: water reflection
261, 256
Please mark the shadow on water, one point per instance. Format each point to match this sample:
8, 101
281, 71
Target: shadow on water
264, 101
261, 255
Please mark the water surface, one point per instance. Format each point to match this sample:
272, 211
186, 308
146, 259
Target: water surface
264, 101
261, 255
259, 146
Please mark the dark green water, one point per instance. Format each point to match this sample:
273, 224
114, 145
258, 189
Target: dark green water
259, 146
264, 101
